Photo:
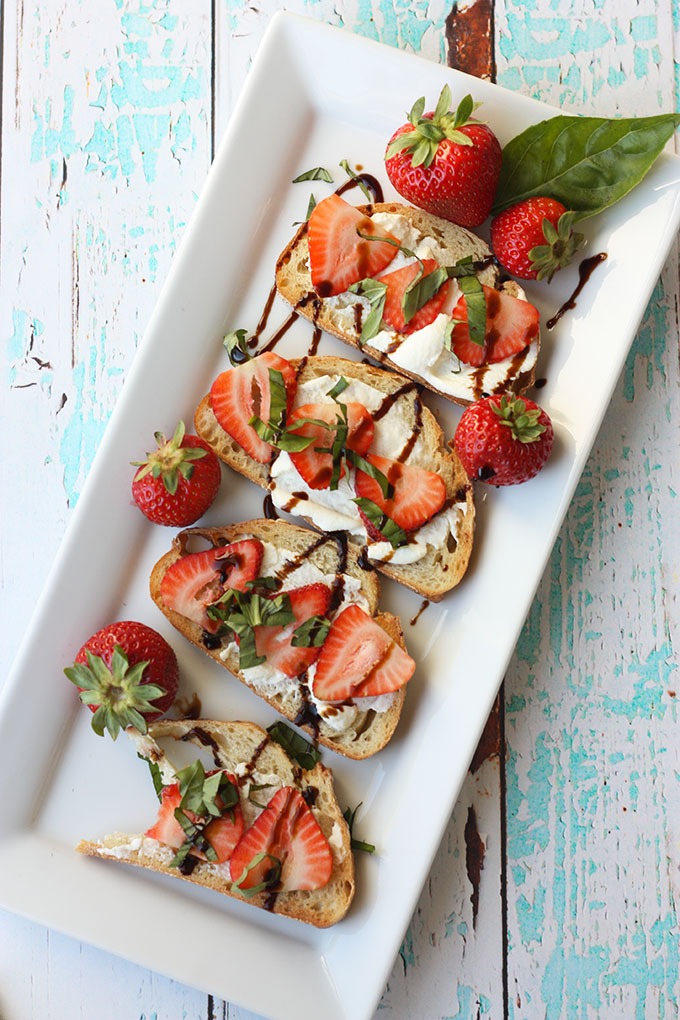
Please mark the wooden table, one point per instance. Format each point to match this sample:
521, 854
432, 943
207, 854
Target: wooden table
555, 891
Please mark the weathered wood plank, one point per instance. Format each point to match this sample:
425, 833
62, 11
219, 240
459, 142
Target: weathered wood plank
591, 713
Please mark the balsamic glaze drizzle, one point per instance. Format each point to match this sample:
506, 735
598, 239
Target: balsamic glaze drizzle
585, 271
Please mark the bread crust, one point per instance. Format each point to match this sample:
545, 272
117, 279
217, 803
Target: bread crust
442, 568
294, 284
232, 744
332, 555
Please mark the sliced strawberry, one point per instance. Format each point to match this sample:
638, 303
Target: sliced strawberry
243, 392
416, 493
338, 255
194, 581
317, 468
222, 833
166, 828
276, 643
395, 670
511, 324
358, 659
397, 281
283, 850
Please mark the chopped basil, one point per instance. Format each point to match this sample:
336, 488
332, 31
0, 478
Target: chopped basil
356, 844
358, 180
373, 472
375, 293
475, 303
295, 746
317, 173
237, 340
340, 387
271, 879
278, 402
203, 798
311, 206
156, 777
241, 612
312, 633
389, 530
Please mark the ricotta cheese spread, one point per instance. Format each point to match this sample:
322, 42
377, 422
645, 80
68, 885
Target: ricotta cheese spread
335, 510
424, 352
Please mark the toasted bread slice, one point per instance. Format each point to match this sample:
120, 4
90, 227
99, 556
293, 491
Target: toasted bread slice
448, 542
247, 752
356, 730
422, 355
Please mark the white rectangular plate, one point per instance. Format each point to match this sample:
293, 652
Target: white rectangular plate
324, 95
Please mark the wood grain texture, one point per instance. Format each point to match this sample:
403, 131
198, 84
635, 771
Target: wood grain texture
566, 906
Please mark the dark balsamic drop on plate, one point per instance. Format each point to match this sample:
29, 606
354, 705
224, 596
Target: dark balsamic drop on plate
585, 271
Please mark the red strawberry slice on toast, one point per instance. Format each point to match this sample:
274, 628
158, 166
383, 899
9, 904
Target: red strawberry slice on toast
511, 324
283, 850
416, 494
338, 255
359, 659
276, 643
244, 392
196, 580
315, 467
397, 281
166, 828
222, 833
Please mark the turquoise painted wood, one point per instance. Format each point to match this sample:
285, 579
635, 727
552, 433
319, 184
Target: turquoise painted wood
554, 894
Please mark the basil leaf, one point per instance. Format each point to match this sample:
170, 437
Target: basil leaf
237, 340
375, 293
295, 746
388, 528
373, 472
312, 633
475, 303
270, 430
587, 163
311, 206
155, 775
340, 387
358, 180
356, 844
247, 651
317, 173
421, 290
243, 611
271, 879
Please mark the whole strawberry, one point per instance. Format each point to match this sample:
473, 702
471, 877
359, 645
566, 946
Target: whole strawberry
176, 484
503, 440
445, 162
535, 238
127, 674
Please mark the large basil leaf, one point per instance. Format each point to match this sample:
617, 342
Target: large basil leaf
587, 163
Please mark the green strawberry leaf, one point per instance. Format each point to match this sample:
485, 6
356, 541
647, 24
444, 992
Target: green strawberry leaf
587, 163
